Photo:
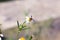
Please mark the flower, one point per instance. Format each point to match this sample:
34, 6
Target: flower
1, 35
22, 38
28, 19
0, 38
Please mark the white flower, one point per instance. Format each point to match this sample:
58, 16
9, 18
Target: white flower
28, 19
1, 35
0, 38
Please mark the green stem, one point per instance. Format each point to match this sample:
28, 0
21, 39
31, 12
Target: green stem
30, 38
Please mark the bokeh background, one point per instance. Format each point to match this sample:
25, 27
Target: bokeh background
11, 11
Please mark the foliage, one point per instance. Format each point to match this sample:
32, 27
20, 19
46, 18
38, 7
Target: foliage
23, 27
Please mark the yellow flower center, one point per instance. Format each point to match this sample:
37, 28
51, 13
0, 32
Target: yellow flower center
28, 19
22, 38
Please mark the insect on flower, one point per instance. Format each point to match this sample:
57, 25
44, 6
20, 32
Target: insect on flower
28, 19
22, 38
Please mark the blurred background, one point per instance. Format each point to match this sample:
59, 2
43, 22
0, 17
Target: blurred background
39, 9
13, 10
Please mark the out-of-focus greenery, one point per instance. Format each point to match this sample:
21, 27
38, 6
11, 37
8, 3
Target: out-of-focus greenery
29, 37
22, 26
35, 30
46, 23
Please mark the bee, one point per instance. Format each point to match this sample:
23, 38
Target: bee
28, 19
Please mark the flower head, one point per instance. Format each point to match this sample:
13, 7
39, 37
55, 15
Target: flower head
1, 35
22, 38
28, 19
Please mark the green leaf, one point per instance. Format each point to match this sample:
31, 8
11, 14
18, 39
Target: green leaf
30, 38
18, 23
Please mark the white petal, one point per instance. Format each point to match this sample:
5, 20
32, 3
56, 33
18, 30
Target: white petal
19, 39
1, 35
0, 38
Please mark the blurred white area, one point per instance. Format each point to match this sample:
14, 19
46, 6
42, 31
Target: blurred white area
39, 9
